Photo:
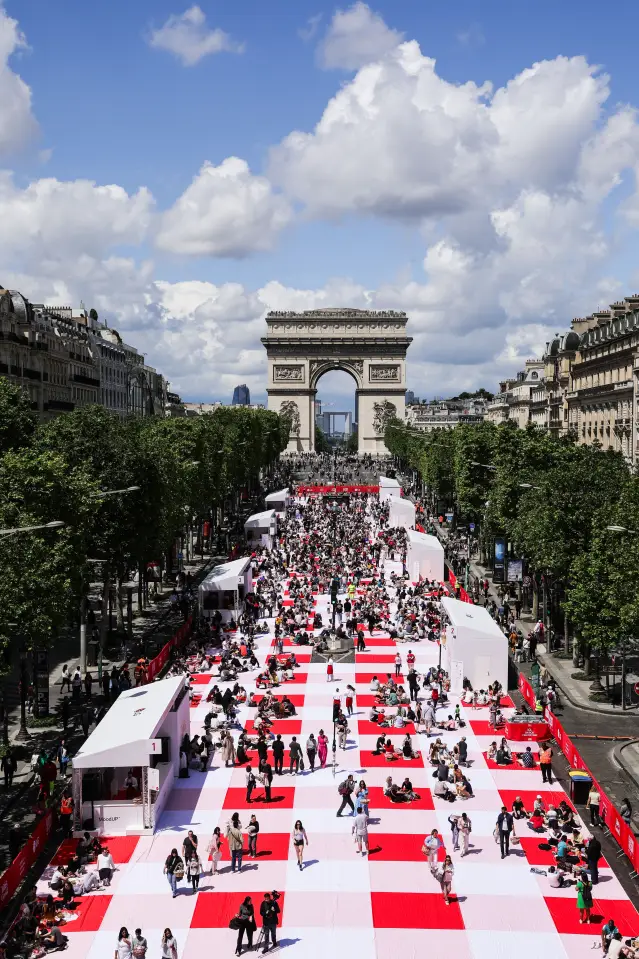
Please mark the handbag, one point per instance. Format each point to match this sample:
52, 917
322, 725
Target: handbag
234, 923
178, 872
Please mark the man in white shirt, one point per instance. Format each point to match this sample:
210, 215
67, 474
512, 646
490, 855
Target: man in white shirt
105, 866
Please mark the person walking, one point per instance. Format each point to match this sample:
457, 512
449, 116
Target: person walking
545, 764
76, 686
194, 870
173, 867
593, 803
295, 756
9, 764
139, 944
252, 831
454, 828
105, 866
345, 790
348, 702
189, 846
311, 751
169, 945
322, 748
398, 664
246, 920
124, 946
66, 679
431, 847
329, 670
445, 877
504, 827
584, 897
300, 839
63, 758
465, 829
360, 831
269, 911
250, 783
341, 727
337, 705
215, 849
266, 776
235, 839
228, 749
593, 855
278, 754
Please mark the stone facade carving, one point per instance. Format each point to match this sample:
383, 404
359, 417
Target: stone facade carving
288, 374
337, 311
291, 411
384, 374
382, 413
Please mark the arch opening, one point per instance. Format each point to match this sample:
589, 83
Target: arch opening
335, 408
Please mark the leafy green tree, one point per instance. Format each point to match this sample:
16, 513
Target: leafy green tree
17, 420
321, 443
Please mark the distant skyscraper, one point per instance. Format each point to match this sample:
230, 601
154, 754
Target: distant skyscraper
410, 396
241, 395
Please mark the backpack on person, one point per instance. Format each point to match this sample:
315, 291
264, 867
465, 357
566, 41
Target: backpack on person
343, 789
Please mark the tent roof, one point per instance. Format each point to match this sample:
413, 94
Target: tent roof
387, 481
424, 539
402, 504
277, 497
260, 520
221, 577
123, 737
467, 615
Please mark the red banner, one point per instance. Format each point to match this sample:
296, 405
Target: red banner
13, 876
315, 490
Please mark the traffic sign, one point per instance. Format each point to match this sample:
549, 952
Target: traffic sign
471, 527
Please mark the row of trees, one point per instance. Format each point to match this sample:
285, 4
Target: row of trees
555, 502
78, 470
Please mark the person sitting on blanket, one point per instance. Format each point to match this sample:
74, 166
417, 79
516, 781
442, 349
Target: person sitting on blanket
449, 724
394, 793
536, 822
408, 791
526, 759
389, 752
492, 751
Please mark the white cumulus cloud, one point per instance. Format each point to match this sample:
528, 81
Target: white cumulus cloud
17, 123
188, 37
355, 37
225, 211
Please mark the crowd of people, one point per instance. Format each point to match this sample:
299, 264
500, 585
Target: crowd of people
335, 548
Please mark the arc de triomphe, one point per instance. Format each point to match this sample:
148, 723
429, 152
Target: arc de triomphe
371, 345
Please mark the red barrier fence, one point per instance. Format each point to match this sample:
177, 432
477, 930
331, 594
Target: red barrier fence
13, 876
159, 662
621, 832
315, 490
463, 595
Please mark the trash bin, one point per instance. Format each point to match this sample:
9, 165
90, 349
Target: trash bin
92, 652
580, 783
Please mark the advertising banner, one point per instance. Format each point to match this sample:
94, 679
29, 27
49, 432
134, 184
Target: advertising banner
13, 876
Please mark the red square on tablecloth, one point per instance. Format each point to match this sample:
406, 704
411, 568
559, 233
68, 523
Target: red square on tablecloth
414, 910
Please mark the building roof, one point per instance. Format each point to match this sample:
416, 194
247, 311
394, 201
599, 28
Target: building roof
468, 616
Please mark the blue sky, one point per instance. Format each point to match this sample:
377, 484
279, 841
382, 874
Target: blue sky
491, 215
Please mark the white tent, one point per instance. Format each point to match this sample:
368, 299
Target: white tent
140, 733
260, 528
473, 646
225, 587
402, 513
424, 557
388, 487
279, 500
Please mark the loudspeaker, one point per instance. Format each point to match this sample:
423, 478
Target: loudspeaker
165, 756
91, 787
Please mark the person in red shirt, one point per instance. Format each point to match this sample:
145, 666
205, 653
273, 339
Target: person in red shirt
410, 659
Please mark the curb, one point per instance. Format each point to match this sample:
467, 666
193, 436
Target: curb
617, 753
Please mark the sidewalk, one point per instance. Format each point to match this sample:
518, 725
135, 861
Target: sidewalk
17, 804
